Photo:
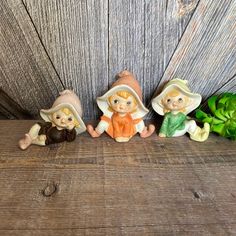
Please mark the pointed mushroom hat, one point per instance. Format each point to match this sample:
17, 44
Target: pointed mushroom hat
180, 85
67, 99
125, 82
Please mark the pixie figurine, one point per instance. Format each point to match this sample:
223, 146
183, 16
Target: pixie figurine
175, 102
62, 122
123, 110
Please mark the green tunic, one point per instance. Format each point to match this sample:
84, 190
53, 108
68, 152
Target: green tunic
172, 122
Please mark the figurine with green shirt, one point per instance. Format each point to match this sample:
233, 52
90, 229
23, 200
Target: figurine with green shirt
175, 102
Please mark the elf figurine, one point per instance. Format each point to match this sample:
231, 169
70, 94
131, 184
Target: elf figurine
175, 102
123, 110
62, 122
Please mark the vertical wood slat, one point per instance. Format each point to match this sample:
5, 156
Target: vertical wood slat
26, 72
126, 37
142, 37
206, 54
165, 23
64, 36
75, 36
230, 86
10, 108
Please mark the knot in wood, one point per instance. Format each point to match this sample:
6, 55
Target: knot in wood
50, 190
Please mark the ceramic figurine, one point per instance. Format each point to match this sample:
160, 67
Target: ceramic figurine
62, 122
175, 102
123, 110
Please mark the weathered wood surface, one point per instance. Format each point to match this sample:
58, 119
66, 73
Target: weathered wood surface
206, 54
9, 109
26, 73
165, 23
89, 47
230, 86
48, 45
126, 37
99, 187
75, 35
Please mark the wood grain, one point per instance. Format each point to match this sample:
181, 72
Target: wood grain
75, 35
206, 54
10, 108
142, 38
165, 23
95, 45
126, 37
230, 86
171, 186
26, 72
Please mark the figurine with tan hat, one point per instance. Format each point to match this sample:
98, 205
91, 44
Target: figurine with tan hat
62, 122
123, 110
175, 102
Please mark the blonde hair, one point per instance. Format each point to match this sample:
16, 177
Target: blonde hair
67, 111
173, 93
124, 94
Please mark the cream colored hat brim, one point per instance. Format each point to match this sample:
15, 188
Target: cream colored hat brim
104, 105
45, 114
158, 107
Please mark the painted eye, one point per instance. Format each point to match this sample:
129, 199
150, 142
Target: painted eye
168, 100
129, 102
116, 101
70, 119
180, 100
58, 117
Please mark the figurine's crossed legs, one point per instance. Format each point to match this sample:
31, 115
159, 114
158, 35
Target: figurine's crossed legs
32, 137
196, 133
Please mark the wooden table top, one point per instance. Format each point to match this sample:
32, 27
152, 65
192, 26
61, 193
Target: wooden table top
153, 186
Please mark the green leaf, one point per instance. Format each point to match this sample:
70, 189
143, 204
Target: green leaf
223, 98
201, 114
212, 103
219, 115
223, 117
218, 128
216, 121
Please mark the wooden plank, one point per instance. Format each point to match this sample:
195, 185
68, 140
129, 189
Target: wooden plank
10, 108
27, 74
165, 22
75, 36
143, 36
230, 86
178, 230
154, 150
206, 54
152, 187
126, 37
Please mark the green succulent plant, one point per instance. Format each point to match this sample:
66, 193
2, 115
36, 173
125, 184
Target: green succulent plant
222, 116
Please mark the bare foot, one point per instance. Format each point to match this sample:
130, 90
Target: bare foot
148, 132
25, 142
92, 132
122, 139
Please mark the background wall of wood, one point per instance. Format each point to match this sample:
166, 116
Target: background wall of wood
46, 46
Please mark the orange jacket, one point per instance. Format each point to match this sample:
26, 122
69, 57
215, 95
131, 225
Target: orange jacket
121, 126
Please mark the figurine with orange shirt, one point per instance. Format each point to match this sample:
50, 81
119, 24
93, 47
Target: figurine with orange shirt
123, 110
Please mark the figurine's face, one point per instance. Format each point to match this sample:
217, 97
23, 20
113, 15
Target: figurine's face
123, 105
62, 120
175, 102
